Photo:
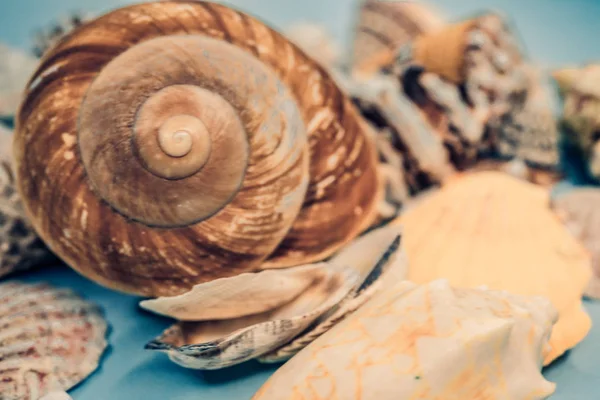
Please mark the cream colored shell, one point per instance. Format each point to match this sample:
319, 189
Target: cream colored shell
425, 342
488, 228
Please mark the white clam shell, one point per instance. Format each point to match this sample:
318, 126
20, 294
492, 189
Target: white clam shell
50, 340
429, 341
238, 296
338, 287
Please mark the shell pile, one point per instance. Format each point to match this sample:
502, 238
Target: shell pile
488, 228
426, 342
271, 315
50, 340
20, 247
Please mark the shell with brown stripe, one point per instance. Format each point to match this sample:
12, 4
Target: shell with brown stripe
167, 144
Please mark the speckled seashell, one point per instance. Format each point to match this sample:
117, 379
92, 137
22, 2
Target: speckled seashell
275, 316
488, 228
529, 131
425, 342
20, 247
579, 210
50, 340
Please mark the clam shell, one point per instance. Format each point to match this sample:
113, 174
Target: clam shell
580, 212
429, 341
338, 288
242, 295
20, 246
488, 228
50, 340
219, 344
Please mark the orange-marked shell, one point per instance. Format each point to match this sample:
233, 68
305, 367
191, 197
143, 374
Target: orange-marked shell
489, 228
190, 144
425, 342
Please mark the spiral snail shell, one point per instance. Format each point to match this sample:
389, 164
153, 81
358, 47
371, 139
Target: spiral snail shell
185, 141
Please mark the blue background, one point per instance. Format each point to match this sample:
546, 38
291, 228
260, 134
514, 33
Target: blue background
555, 32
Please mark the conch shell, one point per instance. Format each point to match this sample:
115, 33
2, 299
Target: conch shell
426, 342
489, 228
232, 320
579, 209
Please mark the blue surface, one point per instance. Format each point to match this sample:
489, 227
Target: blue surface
555, 32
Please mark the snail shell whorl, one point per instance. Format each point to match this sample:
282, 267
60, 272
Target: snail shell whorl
196, 123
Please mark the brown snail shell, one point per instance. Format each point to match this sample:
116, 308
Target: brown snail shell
131, 193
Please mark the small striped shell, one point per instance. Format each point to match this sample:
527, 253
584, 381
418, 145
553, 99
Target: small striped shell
50, 340
425, 342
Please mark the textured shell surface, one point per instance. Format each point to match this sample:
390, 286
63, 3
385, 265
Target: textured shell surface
384, 26
489, 228
20, 246
50, 340
196, 82
426, 342
580, 212
222, 343
270, 326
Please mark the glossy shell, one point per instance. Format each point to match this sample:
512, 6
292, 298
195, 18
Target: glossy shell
488, 228
50, 340
280, 186
425, 342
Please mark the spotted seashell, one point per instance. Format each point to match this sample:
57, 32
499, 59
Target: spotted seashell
50, 340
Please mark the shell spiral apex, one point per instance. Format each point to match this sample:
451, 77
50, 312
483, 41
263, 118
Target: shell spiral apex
188, 142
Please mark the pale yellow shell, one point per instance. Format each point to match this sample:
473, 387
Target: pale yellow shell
425, 342
489, 228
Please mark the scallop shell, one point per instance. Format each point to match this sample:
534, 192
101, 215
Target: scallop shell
426, 342
580, 211
488, 228
20, 247
50, 340
275, 318
385, 26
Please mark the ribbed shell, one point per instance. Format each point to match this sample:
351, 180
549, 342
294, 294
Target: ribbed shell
488, 228
425, 342
50, 340
340, 201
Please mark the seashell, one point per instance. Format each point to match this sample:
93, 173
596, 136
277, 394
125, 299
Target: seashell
51, 340
579, 210
20, 247
337, 288
282, 186
15, 68
429, 341
581, 115
530, 130
488, 228
386, 25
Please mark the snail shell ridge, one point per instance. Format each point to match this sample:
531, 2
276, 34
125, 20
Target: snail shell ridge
185, 142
